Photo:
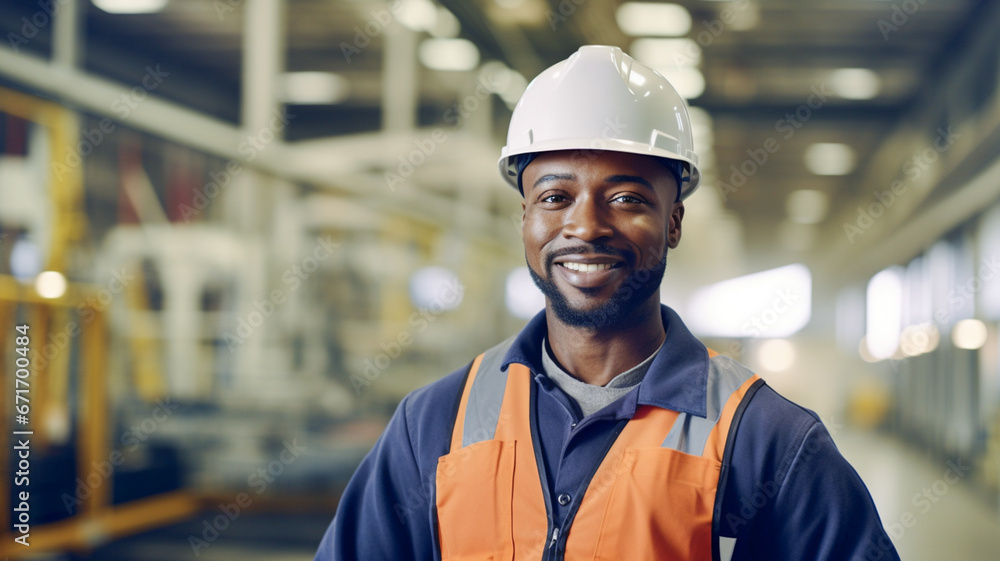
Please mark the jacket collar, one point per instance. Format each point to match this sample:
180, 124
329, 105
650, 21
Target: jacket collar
677, 378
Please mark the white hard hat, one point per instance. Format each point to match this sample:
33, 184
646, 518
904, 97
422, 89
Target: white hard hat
601, 99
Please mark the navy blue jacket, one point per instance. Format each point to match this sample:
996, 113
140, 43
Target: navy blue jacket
790, 495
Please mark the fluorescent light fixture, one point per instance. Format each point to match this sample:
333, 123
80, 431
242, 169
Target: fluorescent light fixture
689, 82
855, 83
807, 206
131, 6
50, 284
666, 53
658, 20
435, 289
776, 355
830, 158
969, 334
418, 15
884, 312
772, 303
522, 297
446, 25
315, 87
454, 55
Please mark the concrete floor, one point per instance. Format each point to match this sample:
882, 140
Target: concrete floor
929, 512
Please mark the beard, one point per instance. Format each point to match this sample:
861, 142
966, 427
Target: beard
637, 288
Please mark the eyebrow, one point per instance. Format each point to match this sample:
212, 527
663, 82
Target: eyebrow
629, 179
552, 177
610, 179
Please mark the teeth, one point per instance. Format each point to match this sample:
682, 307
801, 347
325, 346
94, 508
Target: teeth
587, 267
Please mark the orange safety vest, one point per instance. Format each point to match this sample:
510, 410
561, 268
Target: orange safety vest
652, 497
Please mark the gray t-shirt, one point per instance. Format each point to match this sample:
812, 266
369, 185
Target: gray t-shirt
589, 397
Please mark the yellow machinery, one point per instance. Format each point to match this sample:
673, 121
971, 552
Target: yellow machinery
53, 325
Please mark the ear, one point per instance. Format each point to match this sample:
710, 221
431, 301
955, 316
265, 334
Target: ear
674, 225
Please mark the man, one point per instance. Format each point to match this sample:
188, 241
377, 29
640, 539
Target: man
604, 430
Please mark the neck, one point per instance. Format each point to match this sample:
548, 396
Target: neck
596, 356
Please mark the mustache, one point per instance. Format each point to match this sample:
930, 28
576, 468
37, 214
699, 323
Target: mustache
626, 255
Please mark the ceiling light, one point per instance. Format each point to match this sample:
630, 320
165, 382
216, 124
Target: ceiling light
666, 53
418, 15
449, 54
131, 6
807, 206
829, 158
772, 303
855, 83
50, 284
969, 334
435, 289
446, 25
314, 87
776, 355
658, 20
919, 339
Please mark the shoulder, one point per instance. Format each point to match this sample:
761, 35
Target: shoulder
787, 479
770, 415
428, 413
769, 422
771, 433
770, 438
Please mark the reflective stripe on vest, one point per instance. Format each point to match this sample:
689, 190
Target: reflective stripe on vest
653, 496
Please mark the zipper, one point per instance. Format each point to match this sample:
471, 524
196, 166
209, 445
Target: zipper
571, 515
540, 468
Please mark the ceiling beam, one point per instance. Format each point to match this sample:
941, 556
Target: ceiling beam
83, 91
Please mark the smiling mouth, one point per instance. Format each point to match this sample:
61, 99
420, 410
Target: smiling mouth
588, 267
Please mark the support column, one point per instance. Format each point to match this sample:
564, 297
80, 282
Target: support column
399, 79
263, 61
67, 44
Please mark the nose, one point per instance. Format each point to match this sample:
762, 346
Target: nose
587, 221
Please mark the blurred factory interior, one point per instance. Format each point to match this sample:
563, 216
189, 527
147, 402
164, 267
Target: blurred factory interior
239, 231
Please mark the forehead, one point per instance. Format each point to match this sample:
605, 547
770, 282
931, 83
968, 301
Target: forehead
598, 164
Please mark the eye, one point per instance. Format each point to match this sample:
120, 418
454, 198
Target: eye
553, 198
628, 199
